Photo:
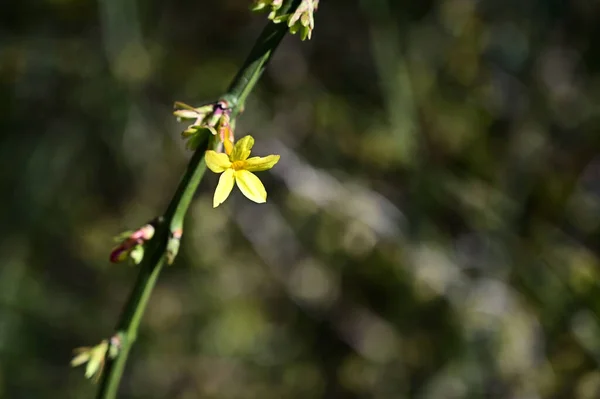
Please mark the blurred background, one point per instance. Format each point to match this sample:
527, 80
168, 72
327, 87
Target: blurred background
432, 228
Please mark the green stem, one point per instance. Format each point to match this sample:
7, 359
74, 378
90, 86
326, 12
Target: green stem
258, 58
172, 221
128, 327
185, 192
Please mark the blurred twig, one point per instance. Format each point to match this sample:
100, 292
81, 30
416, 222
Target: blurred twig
171, 223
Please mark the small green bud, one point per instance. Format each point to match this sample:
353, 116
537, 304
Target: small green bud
131, 244
137, 254
93, 356
173, 245
206, 119
302, 20
260, 5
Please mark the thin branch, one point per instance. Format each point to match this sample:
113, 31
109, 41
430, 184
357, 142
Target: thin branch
171, 224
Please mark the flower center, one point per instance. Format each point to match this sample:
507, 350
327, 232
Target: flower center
238, 165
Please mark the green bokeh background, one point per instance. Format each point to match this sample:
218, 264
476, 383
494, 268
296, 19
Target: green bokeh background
432, 228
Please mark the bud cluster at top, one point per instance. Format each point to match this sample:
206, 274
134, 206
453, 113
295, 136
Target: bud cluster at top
300, 21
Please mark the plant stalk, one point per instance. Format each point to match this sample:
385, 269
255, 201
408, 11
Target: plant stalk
172, 220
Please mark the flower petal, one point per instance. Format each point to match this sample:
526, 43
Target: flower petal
257, 164
241, 150
224, 187
227, 145
251, 186
216, 161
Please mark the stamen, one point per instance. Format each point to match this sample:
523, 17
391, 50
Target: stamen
238, 165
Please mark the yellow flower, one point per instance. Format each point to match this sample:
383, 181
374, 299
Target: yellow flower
235, 166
